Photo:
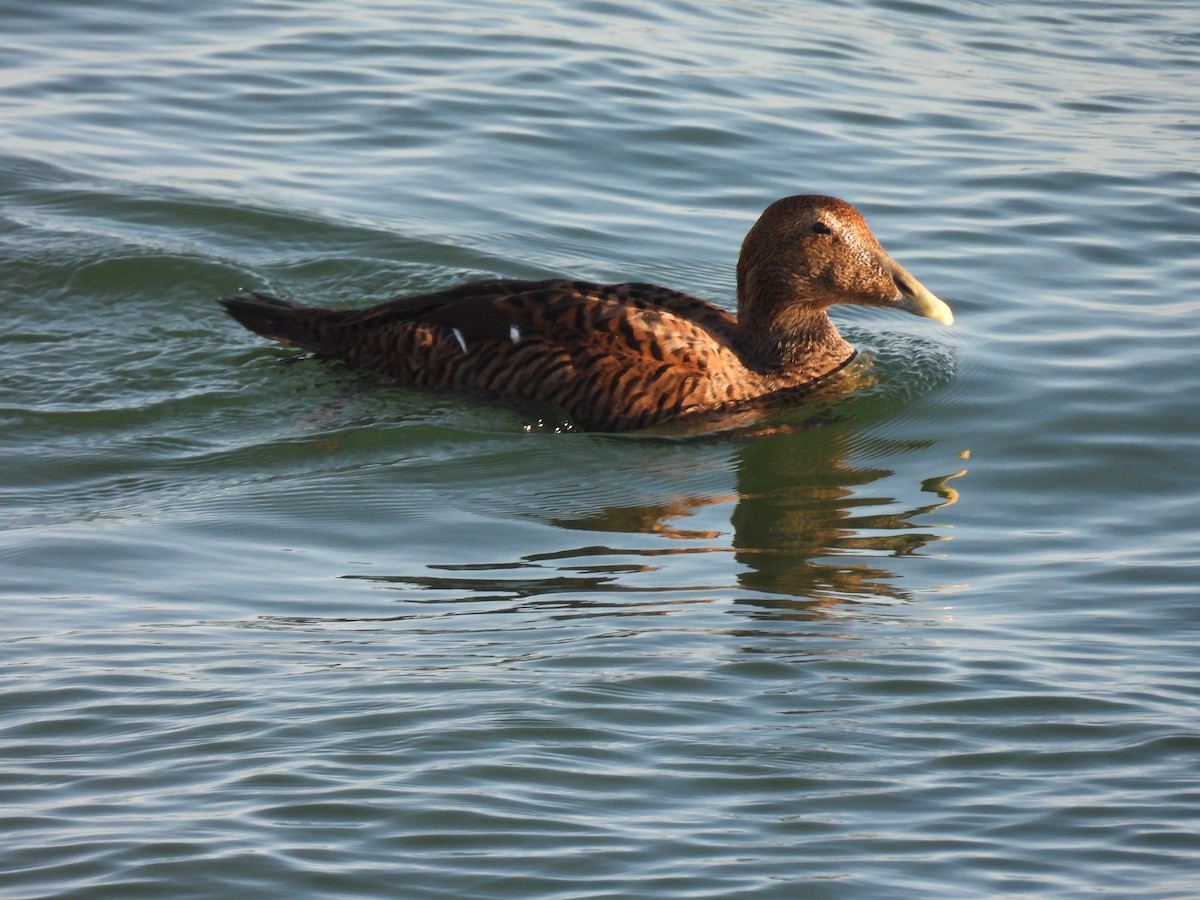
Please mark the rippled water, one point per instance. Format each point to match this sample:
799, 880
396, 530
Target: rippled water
274, 629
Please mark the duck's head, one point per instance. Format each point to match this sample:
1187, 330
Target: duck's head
807, 253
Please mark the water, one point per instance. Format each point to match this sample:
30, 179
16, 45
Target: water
273, 629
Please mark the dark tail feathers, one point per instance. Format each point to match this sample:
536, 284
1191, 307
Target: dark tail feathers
282, 321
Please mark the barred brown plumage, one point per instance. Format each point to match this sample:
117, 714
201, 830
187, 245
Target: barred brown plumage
620, 356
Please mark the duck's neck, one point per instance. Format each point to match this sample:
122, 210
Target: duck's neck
795, 344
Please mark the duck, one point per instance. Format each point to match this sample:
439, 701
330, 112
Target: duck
621, 357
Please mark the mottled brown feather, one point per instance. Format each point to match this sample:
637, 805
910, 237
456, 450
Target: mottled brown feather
622, 356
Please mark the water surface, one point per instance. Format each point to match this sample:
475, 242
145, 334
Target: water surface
272, 628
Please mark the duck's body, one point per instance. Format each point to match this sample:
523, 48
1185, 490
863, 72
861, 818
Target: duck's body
613, 357
619, 357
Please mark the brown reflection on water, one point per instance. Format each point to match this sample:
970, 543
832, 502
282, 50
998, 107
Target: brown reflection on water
803, 521
650, 518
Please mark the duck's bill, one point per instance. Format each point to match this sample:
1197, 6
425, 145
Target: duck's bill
914, 297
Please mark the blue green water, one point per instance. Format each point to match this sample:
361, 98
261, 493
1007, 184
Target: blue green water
273, 629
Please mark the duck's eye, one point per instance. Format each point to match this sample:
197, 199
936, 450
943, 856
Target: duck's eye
822, 228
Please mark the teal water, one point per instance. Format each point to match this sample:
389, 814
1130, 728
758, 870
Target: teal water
272, 629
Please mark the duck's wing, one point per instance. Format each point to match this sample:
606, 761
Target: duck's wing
618, 357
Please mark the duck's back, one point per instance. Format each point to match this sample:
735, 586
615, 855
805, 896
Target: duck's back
614, 357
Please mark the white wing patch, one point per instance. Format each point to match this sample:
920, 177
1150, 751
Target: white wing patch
462, 341
514, 333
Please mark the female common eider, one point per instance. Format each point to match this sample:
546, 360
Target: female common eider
616, 357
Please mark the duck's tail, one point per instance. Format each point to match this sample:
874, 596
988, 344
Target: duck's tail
313, 329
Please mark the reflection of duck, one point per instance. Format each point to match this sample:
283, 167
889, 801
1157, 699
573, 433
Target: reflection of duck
798, 505
618, 357
812, 525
